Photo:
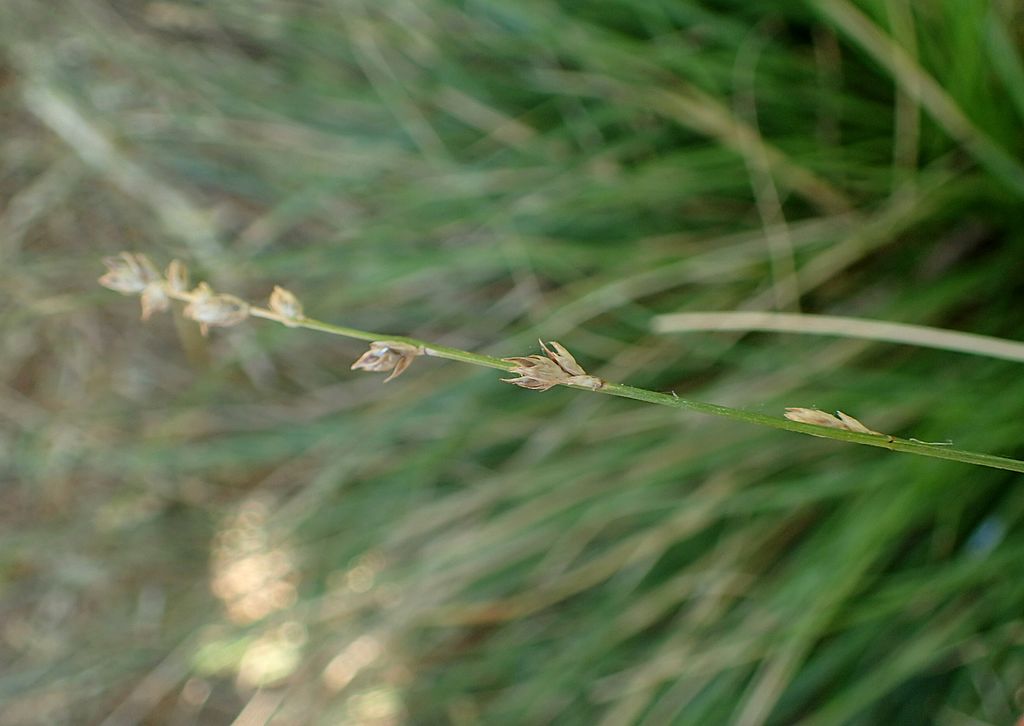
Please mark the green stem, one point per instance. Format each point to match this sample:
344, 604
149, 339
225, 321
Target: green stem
437, 351
663, 399
884, 442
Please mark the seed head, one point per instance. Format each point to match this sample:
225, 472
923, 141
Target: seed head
536, 373
154, 299
129, 273
853, 424
212, 310
387, 355
814, 416
841, 420
556, 366
285, 304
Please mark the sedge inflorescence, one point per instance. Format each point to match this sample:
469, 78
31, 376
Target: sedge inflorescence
842, 421
132, 273
556, 366
388, 355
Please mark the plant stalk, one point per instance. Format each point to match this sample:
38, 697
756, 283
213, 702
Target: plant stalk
663, 399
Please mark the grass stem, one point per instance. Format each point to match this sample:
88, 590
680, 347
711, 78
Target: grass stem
661, 399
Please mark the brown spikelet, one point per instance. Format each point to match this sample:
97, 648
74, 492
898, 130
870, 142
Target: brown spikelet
129, 273
154, 299
853, 424
556, 366
841, 420
210, 309
387, 355
285, 304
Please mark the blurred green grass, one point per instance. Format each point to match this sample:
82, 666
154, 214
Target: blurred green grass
198, 531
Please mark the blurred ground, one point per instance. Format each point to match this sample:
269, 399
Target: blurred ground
240, 530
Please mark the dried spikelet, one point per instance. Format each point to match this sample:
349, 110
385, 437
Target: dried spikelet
563, 358
212, 310
129, 273
841, 420
285, 304
177, 276
536, 373
387, 355
154, 299
556, 366
814, 416
853, 424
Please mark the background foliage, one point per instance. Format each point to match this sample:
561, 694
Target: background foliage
197, 529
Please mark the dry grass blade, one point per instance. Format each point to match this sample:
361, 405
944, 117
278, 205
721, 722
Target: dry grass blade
847, 327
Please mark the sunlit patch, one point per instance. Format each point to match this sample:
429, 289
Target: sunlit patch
272, 657
345, 666
251, 575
